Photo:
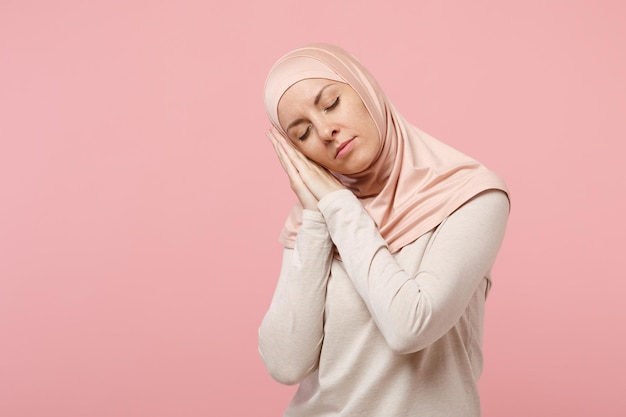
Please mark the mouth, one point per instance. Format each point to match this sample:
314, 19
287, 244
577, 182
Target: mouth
342, 146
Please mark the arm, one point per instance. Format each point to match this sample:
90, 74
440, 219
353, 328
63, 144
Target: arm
413, 311
291, 334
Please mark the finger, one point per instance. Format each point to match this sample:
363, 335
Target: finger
282, 157
307, 199
286, 162
310, 172
289, 148
296, 181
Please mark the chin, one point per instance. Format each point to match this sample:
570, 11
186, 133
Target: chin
354, 170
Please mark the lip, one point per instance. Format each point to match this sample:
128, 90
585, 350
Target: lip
343, 146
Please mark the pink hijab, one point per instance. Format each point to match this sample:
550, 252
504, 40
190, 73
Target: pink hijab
414, 183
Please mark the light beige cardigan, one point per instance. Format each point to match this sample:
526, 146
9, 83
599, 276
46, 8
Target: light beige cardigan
377, 334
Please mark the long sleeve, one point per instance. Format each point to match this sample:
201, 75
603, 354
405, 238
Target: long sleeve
291, 333
414, 310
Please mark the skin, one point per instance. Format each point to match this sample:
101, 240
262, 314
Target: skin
320, 116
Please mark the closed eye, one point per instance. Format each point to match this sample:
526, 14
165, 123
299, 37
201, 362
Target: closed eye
306, 133
332, 106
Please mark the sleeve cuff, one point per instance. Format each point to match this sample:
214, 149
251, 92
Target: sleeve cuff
331, 198
313, 226
312, 216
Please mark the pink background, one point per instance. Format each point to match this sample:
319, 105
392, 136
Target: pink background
140, 203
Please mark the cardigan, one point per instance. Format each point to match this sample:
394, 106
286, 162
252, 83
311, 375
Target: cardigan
371, 333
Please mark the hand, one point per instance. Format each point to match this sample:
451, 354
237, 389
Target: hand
309, 181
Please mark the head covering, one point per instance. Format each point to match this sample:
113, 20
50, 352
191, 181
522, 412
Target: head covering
414, 182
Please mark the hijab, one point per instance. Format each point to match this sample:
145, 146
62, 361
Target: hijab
414, 182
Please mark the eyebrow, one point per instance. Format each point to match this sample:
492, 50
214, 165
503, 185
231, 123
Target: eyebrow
318, 97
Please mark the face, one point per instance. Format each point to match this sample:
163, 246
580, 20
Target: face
328, 122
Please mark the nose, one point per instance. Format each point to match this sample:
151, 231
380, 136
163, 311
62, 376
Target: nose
328, 131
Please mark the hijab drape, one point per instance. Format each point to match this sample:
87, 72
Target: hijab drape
415, 181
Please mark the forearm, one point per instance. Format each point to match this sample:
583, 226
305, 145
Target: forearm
414, 310
291, 333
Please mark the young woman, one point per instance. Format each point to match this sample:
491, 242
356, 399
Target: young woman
378, 310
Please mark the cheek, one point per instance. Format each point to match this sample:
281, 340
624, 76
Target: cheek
372, 128
365, 119
308, 150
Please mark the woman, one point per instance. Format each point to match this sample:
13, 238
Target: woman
379, 306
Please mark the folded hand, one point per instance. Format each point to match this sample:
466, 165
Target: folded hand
309, 181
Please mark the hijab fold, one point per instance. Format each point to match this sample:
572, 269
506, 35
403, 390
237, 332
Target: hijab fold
414, 182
